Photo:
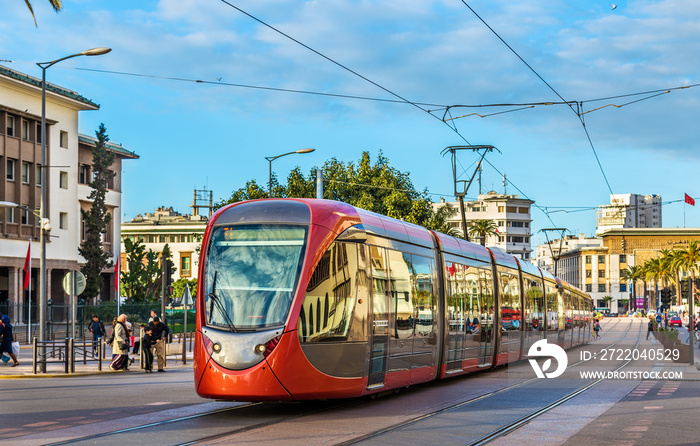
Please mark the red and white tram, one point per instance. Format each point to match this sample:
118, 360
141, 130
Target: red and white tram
312, 299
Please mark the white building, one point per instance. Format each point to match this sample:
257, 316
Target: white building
629, 211
511, 215
69, 157
182, 233
547, 252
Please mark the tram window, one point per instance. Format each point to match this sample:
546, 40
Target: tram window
423, 295
535, 304
251, 275
327, 313
510, 301
552, 307
401, 304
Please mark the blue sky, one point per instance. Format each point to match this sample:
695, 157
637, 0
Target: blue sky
214, 134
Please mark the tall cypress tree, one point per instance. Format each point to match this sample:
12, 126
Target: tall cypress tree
96, 218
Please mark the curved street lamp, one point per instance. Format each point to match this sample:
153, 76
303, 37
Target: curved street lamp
42, 208
272, 158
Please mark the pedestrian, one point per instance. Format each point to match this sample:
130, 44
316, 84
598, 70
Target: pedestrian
153, 314
596, 329
665, 320
97, 327
120, 345
160, 332
650, 328
146, 344
6, 344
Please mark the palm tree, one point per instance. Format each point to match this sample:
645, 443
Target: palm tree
439, 221
482, 229
631, 275
688, 259
657, 271
55, 4
671, 259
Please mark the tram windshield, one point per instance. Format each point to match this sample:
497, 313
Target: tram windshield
251, 273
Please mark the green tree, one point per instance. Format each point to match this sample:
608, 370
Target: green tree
688, 259
375, 187
631, 275
142, 280
439, 223
482, 229
55, 4
97, 217
179, 287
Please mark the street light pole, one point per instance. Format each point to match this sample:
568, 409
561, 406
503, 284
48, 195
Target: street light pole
270, 159
42, 208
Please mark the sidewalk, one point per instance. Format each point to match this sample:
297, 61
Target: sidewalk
91, 367
690, 372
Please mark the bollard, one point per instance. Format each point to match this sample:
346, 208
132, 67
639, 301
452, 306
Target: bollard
67, 363
34, 355
71, 354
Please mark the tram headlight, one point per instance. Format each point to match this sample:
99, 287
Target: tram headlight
216, 347
266, 348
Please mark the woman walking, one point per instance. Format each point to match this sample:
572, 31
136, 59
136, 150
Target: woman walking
6, 345
120, 345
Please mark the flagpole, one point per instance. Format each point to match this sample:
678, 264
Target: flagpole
29, 295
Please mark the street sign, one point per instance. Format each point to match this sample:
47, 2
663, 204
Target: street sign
658, 319
187, 296
74, 283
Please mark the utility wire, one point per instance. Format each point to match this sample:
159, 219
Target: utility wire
551, 88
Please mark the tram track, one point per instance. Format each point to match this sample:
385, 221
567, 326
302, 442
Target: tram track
506, 429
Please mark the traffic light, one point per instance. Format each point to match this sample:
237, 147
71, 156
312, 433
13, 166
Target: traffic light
666, 298
168, 270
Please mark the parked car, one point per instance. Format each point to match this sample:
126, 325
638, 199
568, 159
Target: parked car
612, 315
674, 321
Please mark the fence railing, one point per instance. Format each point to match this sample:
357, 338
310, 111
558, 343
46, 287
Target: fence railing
65, 352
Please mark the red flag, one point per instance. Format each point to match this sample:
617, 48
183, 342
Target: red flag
28, 266
497, 231
690, 200
116, 277
452, 270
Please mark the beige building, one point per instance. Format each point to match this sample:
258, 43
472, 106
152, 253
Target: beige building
182, 233
511, 215
629, 211
69, 159
597, 270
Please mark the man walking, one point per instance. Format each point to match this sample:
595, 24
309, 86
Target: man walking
97, 327
650, 328
159, 334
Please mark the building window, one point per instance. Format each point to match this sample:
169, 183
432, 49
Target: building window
589, 288
64, 139
38, 175
63, 180
623, 287
24, 216
589, 273
25, 130
38, 133
623, 258
186, 265
63, 220
588, 260
601, 273
512, 209
601, 259
500, 238
523, 210
10, 170
500, 210
25, 173
84, 174
10, 125
601, 288
10, 215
